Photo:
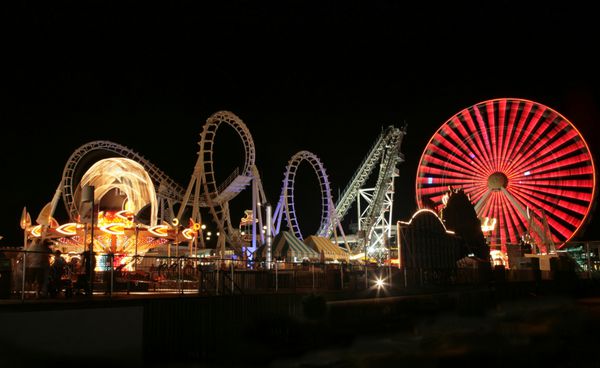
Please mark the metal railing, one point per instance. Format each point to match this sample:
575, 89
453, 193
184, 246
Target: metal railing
33, 275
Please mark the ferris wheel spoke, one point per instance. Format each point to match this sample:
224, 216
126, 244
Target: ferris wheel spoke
509, 137
555, 159
491, 133
517, 142
569, 195
563, 173
568, 138
553, 203
554, 215
485, 138
580, 184
475, 135
453, 165
439, 172
472, 150
546, 141
502, 127
539, 130
447, 149
547, 148
577, 161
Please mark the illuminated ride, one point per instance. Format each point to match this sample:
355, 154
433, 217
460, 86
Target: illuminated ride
216, 196
521, 163
168, 192
203, 191
122, 189
375, 204
286, 204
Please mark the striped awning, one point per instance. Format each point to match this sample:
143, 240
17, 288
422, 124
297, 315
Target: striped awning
289, 248
330, 251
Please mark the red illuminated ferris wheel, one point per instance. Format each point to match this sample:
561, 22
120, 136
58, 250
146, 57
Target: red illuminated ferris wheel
520, 162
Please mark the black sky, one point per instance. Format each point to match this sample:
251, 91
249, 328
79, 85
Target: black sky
323, 76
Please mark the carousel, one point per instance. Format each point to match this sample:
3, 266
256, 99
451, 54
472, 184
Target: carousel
121, 222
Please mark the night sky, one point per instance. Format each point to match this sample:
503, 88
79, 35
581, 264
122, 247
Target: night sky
321, 76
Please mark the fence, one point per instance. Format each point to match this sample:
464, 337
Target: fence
120, 274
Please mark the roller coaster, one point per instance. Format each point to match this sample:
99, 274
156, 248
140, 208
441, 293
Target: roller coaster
203, 191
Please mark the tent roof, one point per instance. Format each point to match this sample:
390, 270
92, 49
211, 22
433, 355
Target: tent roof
286, 245
330, 251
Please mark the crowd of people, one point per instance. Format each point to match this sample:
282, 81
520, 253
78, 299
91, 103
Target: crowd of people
49, 274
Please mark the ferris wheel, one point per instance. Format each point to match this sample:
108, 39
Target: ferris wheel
520, 162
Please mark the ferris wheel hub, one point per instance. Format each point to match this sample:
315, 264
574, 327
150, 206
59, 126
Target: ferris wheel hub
497, 181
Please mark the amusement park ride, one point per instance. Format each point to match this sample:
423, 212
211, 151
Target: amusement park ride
522, 164
526, 169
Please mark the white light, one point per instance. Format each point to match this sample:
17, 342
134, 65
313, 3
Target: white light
379, 283
527, 173
265, 227
218, 233
209, 233
208, 238
429, 180
203, 226
243, 233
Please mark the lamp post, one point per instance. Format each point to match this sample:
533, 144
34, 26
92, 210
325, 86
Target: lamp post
87, 216
269, 229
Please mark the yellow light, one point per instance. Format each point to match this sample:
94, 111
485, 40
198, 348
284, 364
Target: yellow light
188, 234
114, 229
175, 221
159, 230
68, 229
37, 231
488, 224
125, 214
196, 226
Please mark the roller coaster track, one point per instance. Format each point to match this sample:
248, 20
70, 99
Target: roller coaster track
204, 191
385, 150
203, 181
286, 203
167, 188
384, 184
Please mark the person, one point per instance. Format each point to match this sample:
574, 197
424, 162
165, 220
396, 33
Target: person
188, 270
56, 273
38, 265
89, 264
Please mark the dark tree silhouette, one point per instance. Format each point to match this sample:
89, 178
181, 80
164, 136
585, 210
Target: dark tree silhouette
460, 217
